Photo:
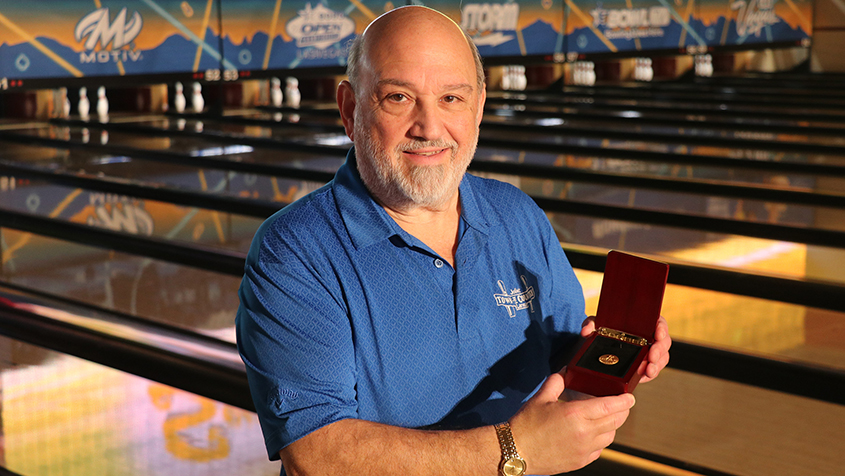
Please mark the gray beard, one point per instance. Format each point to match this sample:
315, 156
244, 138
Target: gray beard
398, 185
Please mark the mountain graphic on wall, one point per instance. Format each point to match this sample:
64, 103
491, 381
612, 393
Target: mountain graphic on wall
249, 53
539, 38
583, 40
176, 54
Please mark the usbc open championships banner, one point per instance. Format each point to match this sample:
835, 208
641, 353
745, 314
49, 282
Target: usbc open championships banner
272, 34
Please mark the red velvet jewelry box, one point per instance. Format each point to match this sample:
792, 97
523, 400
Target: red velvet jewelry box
612, 360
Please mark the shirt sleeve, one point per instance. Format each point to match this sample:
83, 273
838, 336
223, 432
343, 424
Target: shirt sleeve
295, 339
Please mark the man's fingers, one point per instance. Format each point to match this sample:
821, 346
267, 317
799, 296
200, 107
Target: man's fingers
603, 407
588, 326
551, 389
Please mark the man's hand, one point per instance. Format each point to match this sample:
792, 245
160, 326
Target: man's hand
557, 436
658, 355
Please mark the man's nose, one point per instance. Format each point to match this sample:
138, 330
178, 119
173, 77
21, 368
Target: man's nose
427, 122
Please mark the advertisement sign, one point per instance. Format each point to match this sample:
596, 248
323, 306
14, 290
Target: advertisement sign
509, 28
614, 26
55, 39
271, 34
749, 22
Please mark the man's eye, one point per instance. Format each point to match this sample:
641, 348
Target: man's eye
451, 99
397, 97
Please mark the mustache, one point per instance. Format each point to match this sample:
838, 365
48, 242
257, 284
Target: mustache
433, 144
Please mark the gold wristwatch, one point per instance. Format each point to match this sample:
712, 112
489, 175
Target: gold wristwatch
511, 464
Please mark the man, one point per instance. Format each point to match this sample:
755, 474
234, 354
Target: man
391, 318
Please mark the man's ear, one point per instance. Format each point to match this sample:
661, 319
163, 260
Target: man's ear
482, 98
346, 105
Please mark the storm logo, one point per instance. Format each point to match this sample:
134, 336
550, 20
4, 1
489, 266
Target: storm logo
118, 33
485, 22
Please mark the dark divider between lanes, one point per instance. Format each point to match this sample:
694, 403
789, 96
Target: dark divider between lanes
669, 138
196, 375
784, 97
666, 119
727, 111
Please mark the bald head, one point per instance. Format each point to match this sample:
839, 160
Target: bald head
403, 30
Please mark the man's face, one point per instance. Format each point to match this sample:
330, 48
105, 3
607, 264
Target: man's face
416, 121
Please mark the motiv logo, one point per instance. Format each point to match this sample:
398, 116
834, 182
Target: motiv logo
485, 22
112, 36
753, 16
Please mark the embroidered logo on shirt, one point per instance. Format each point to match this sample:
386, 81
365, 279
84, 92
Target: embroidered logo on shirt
516, 299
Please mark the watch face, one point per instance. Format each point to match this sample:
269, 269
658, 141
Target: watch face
513, 467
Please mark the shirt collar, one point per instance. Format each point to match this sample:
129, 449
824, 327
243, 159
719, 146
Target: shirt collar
367, 222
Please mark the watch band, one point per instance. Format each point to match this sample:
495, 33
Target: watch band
511, 464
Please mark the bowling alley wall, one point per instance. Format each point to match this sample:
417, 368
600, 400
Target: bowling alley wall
71, 43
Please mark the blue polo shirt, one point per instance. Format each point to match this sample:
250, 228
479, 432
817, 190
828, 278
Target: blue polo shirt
345, 315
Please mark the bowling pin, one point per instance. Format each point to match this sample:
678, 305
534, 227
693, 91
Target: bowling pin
65, 104
708, 65
179, 102
506, 78
102, 104
276, 92
84, 107
197, 101
292, 95
591, 74
523, 79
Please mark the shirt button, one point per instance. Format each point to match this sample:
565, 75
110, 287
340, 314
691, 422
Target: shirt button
438, 263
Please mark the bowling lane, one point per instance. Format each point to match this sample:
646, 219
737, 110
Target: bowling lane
206, 146
734, 428
182, 296
632, 115
64, 415
555, 136
744, 324
669, 170
676, 131
146, 217
820, 109
251, 124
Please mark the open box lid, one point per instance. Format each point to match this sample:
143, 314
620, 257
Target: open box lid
631, 294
